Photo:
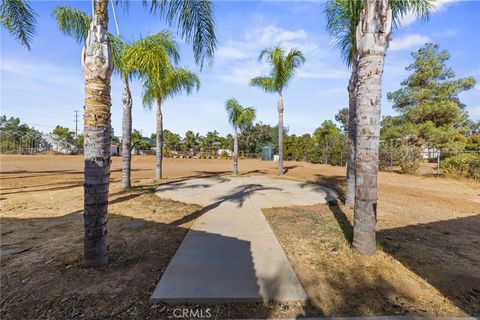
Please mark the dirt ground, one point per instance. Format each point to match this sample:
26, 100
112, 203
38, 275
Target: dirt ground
429, 262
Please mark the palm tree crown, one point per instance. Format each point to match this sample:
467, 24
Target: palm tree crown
150, 53
283, 68
194, 21
72, 22
18, 17
343, 17
173, 82
238, 116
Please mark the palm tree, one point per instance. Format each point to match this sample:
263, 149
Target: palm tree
18, 17
240, 118
194, 21
75, 23
97, 70
372, 40
343, 17
283, 69
158, 87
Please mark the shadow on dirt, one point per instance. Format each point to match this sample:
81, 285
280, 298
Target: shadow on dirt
62, 288
444, 253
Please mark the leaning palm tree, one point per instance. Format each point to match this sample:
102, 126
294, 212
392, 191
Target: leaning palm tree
283, 70
343, 17
19, 18
240, 118
372, 40
161, 46
194, 21
158, 87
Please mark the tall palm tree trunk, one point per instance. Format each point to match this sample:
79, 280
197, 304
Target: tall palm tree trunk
352, 113
159, 141
280, 134
372, 40
235, 153
126, 135
97, 70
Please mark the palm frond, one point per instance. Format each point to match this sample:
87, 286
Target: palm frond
148, 96
18, 17
178, 81
238, 116
419, 8
168, 85
343, 16
283, 68
119, 47
265, 83
194, 21
72, 22
248, 116
233, 108
150, 56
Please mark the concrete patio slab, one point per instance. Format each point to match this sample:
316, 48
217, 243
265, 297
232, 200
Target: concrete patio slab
230, 253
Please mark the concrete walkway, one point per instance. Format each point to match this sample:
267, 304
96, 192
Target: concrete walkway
230, 253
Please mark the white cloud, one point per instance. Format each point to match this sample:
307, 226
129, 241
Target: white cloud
323, 72
240, 55
438, 5
274, 35
258, 38
446, 33
474, 112
408, 41
230, 53
242, 74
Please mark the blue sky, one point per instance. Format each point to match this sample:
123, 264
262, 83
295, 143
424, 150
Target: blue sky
44, 86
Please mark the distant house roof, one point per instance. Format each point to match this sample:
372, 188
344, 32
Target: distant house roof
151, 141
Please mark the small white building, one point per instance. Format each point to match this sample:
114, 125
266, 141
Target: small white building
225, 151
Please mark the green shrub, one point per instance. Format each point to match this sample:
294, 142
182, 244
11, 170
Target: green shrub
409, 159
462, 165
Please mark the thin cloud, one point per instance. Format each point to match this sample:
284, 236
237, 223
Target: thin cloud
438, 5
230, 53
474, 112
408, 41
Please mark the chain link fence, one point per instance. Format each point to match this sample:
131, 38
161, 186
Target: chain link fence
431, 162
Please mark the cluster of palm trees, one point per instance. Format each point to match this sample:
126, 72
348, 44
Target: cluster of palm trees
283, 66
153, 61
360, 28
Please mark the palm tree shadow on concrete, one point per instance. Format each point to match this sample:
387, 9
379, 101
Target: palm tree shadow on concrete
239, 195
120, 290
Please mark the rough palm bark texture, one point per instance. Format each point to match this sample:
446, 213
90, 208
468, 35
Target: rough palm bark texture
126, 135
280, 134
97, 70
352, 115
235, 153
373, 34
159, 141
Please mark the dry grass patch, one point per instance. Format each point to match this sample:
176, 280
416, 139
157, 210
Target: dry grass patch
340, 282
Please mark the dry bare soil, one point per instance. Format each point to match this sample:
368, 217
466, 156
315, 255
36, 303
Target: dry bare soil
428, 262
